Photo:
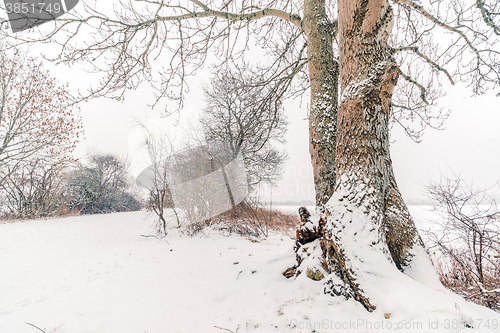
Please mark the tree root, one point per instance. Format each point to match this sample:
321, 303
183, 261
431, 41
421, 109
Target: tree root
336, 264
333, 260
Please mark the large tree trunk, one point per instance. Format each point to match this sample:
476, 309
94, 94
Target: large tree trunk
369, 228
366, 233
323, 74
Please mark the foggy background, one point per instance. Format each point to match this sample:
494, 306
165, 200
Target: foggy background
469, 144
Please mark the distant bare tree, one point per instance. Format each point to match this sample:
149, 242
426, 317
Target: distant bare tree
467, 239
159, 199
241, 118
156, 177
102, 186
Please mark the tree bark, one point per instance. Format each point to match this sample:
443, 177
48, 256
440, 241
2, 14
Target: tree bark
323, 75
367, 218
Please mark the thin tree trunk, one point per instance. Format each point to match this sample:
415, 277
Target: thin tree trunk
323, 75
368, 224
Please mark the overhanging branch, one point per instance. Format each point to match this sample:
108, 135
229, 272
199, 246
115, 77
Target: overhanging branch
487, 17
423, 91
252, 16
437, 21
426, 58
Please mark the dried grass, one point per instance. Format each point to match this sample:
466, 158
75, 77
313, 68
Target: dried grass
249, 220
457, 279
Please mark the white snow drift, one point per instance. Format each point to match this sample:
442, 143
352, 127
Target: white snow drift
98, 274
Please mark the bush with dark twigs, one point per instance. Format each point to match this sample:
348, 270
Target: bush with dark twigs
466, 241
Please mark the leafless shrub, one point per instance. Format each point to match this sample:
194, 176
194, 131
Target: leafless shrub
34, 189
156, 177
467, 240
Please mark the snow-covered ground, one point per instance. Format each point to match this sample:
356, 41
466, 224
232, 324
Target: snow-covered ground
98, 274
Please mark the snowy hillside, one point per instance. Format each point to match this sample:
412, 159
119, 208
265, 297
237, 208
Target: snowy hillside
97, 274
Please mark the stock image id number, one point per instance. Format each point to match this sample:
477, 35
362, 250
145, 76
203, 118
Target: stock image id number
476, 324
25, 7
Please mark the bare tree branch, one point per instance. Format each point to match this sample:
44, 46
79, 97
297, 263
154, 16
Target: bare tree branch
427, 59
488, 16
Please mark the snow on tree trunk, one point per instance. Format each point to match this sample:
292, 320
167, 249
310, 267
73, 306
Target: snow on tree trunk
323, 75
369, 229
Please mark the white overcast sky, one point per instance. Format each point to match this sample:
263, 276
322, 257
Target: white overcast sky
469, 144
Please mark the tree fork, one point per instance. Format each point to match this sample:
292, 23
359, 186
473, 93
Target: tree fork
366, 195
366, 210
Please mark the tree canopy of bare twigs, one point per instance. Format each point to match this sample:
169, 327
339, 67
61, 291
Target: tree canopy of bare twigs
454, 40
36, 119
241, 119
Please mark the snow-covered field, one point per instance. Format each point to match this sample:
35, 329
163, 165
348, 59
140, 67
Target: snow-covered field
98, 274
